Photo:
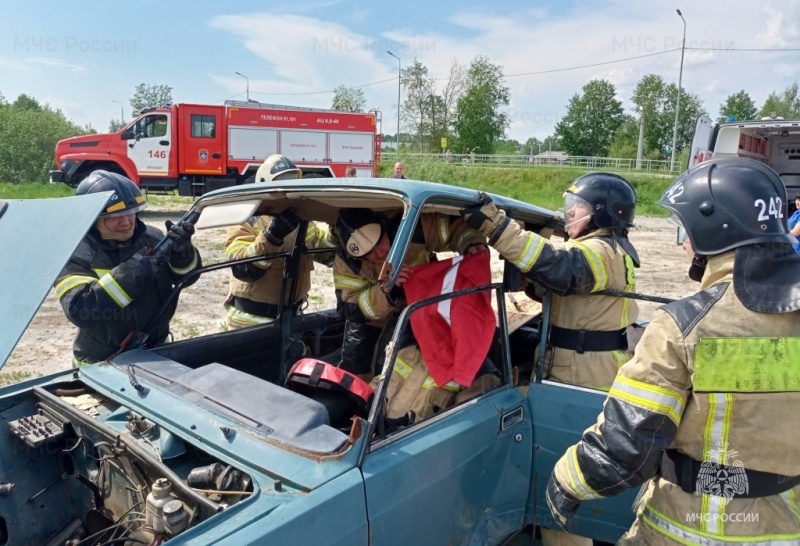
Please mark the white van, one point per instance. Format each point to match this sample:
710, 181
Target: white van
774, 141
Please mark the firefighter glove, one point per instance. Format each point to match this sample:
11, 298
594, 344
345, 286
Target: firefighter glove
141, 269
180, 235
562, 505
281, 226
484, 217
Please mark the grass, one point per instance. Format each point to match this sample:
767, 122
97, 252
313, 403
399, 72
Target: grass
9, 378
34, 191
541, 185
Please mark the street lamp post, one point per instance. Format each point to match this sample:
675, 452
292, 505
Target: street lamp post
121, 111
248, 84
678, 102
397, 136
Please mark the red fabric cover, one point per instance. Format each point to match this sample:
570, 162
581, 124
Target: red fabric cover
453, 350
331, 374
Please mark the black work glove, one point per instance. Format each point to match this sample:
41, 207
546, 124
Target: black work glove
180, 235
142, 270
484, 217
281, 226
562, 505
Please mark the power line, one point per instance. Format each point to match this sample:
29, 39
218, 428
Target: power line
767, 49
550, 71
328, 90
593, 64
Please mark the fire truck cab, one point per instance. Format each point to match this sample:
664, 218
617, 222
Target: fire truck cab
198, 148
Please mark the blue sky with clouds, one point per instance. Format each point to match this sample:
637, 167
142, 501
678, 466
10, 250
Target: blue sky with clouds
81, 56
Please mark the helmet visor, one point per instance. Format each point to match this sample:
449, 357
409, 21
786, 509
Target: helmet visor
578, 206
677, 222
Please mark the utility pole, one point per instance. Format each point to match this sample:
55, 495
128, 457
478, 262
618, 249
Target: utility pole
248, 84
678, 102
640, 149
121, 111
397, 136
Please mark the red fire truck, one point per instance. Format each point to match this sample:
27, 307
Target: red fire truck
198, 148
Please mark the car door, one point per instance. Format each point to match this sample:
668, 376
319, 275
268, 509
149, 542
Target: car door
560, 414
459, 477
150, 144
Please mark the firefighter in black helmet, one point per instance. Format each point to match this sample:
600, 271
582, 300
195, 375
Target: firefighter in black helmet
705, 412
588, 341
110, 287
255, 287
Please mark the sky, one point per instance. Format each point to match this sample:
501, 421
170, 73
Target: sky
81, 57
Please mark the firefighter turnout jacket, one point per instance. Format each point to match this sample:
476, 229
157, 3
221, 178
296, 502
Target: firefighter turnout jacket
361, 298
717, 385
109, 290
587, 330
255, 287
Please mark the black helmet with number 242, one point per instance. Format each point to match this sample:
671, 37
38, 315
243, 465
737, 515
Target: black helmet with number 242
727, 203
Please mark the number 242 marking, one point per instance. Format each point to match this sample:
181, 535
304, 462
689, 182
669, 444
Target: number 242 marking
775, 208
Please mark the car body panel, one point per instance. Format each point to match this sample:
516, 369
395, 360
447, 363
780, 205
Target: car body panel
443, 475
37, 237
560, 415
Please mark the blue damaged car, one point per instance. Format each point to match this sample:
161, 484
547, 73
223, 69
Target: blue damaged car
207, 441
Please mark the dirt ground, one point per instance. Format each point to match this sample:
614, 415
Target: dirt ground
46, 346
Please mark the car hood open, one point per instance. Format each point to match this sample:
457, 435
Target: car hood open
37, 237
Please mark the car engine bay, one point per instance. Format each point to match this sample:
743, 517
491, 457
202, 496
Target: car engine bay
78, 468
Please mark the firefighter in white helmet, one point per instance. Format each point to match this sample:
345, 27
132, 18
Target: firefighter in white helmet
705, 413
255, 287
365, 238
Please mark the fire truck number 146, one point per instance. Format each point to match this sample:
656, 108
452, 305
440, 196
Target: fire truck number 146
160, 154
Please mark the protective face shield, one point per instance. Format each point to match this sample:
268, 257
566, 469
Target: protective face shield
576, 210
681, 231
699, 262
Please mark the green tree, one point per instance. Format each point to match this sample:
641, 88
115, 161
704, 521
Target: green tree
626, 139
508, 146
115, 125
417, 106
785, 103
533, 146
591, 120
348, 99
29, 133
480, 120
148, 96
25, 102
657, 101
738, 104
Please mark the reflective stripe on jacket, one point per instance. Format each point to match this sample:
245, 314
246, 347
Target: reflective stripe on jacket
574, 270
721, 384
107, 293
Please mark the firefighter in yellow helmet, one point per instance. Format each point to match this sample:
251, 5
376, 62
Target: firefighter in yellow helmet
705, 414
112, 285
255, 287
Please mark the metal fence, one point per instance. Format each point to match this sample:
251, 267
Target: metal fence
524, 161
